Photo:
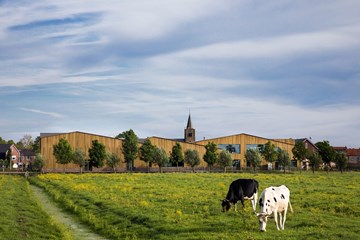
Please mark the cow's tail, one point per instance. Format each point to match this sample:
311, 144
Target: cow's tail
291, 209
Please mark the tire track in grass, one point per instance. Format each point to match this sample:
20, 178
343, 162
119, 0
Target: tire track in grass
78, 230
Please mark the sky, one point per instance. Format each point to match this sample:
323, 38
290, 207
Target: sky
274, 69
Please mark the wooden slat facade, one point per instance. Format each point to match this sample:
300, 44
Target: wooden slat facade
84, 142
245, 139
77, 140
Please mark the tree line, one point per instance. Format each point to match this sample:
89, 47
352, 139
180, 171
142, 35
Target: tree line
151, 154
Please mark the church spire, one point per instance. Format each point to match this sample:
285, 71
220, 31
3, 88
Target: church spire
189, 133
189, 125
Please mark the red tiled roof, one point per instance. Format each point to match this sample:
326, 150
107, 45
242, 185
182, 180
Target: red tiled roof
340, 148
353, 152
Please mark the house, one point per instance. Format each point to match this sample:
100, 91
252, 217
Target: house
353, 155
310, 147
6, 149
27, 156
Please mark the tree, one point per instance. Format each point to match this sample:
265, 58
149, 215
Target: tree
97, 154
9, 158
120, 135
38, 163
3, 164
254, 157
161, 159
79, 158
36, 145
341, 161
63, 152
130, 148
230, 148
192, 158
315, 161
210, 156
326, 152
283, 158
225, 159
268, 151
20, 145
299, 152
27, 141
147, 152
112, 160
176, 155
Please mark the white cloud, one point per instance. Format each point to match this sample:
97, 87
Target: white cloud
279, 46
51, 114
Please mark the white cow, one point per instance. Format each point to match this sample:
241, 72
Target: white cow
274, 200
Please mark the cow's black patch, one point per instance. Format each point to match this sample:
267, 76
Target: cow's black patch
282, 196
260, 202
268, 200
273, 189
275, 199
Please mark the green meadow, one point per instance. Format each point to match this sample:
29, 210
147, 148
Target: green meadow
21, 216
187, 206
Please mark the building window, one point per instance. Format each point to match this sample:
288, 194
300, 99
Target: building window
232, 148
189, 134
253, 146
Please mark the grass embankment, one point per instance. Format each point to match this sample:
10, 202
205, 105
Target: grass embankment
187, 206
21, 216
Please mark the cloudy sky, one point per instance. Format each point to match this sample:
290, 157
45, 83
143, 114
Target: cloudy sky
275, 69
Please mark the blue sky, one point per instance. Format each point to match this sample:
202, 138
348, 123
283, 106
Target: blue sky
276, 69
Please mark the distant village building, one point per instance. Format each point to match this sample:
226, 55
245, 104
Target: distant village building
353, 155
6, 149
311, 148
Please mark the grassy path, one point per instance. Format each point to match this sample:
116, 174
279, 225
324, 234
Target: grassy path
78, 231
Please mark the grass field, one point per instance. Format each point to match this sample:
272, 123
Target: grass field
187, 206
21, 216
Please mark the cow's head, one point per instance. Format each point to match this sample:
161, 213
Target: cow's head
225, 205
263, 217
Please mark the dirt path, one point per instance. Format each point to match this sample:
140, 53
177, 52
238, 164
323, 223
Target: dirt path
78, 230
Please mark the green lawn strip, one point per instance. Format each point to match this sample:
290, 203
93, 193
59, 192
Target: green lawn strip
187, 206
21, 216
101, 216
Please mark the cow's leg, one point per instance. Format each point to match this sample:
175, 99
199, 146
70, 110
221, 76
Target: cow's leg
280, 221
276, 219
242, 201
284, 219
254, 201
235, 207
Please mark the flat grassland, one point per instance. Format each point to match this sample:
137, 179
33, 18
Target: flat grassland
21, 216
187, 206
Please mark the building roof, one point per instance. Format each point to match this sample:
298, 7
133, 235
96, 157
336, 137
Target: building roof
4, 147
27, 152
306, 140
353, 152
189, 124
340, 148
273, 140
43, 135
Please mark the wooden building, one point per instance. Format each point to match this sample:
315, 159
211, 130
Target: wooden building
77, 140
236, 144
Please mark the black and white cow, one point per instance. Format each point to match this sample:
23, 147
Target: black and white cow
274, 200
238, 191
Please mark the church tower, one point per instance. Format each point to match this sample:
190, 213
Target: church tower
189, 135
